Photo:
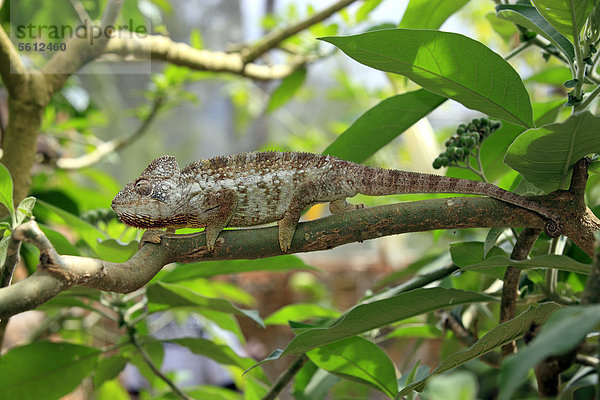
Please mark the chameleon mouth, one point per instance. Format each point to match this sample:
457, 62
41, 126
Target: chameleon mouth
146, 222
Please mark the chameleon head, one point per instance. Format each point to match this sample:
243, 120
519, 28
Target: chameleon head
149, 200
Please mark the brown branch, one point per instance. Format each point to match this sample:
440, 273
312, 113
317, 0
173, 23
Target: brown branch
158, 47
275, 37
508, 302
57, 273
13, 72
114, 145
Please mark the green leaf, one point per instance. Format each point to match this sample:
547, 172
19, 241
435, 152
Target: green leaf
3, 249
6, 191
544, 156
565, 329
502, 27
299, 312
555, 261
286, 90
34, 371
369, 316
504, 333
356, 358
466, 254
60, 243
551, 76
162, 296
491, 239
443, 63
429, 14
383, 123
24, 209
212, 268
109, 368
566, 16
222, 354
365, 9
117, 252
528, 17
88, 232
208, 392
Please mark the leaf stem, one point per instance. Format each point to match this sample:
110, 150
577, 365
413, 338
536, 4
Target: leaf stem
588, 100
286, 377
518, 50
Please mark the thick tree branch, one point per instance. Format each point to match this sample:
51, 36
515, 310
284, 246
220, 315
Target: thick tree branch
57, 273
13, 73
163, 48
275, 37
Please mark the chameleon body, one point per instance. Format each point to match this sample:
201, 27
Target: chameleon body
258, 188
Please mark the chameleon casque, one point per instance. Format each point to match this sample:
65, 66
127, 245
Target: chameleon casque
258, 188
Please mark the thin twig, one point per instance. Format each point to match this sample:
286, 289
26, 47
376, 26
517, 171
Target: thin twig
508, 302
84, 17
273, 38
157, 371
286, 377
113, 145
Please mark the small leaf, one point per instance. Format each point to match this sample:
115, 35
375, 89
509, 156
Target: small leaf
34, 371
358, 359
369, 316
556, 261
544, 156
570, 83
6, 191
491, 239
442, 62
299, 312
115, 251
3, 250
383, 123
504, 333
286, 90
528, 17
429, 14
24, 209
565, 329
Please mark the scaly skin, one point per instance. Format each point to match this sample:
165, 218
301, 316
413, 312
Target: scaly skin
257, 188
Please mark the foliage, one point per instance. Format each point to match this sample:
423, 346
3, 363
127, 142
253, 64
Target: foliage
518, 138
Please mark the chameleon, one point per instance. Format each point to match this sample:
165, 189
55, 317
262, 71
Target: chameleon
257, 188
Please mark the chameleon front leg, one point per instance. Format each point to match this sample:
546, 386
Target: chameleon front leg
220, 216
302, 197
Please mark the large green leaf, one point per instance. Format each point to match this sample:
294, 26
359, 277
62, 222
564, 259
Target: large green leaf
449, 64
222, 354
356, 358
504, 333
544, 156
528, 17
44, 370
366, 317
382, 123
555, 261
163, 296
429, 14
566, 16
564, 330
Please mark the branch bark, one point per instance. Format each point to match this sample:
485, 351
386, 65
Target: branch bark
57, 273
163, 48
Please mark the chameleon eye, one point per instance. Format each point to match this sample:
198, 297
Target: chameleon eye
143, 187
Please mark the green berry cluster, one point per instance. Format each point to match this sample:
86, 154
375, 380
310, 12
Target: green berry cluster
466, 141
